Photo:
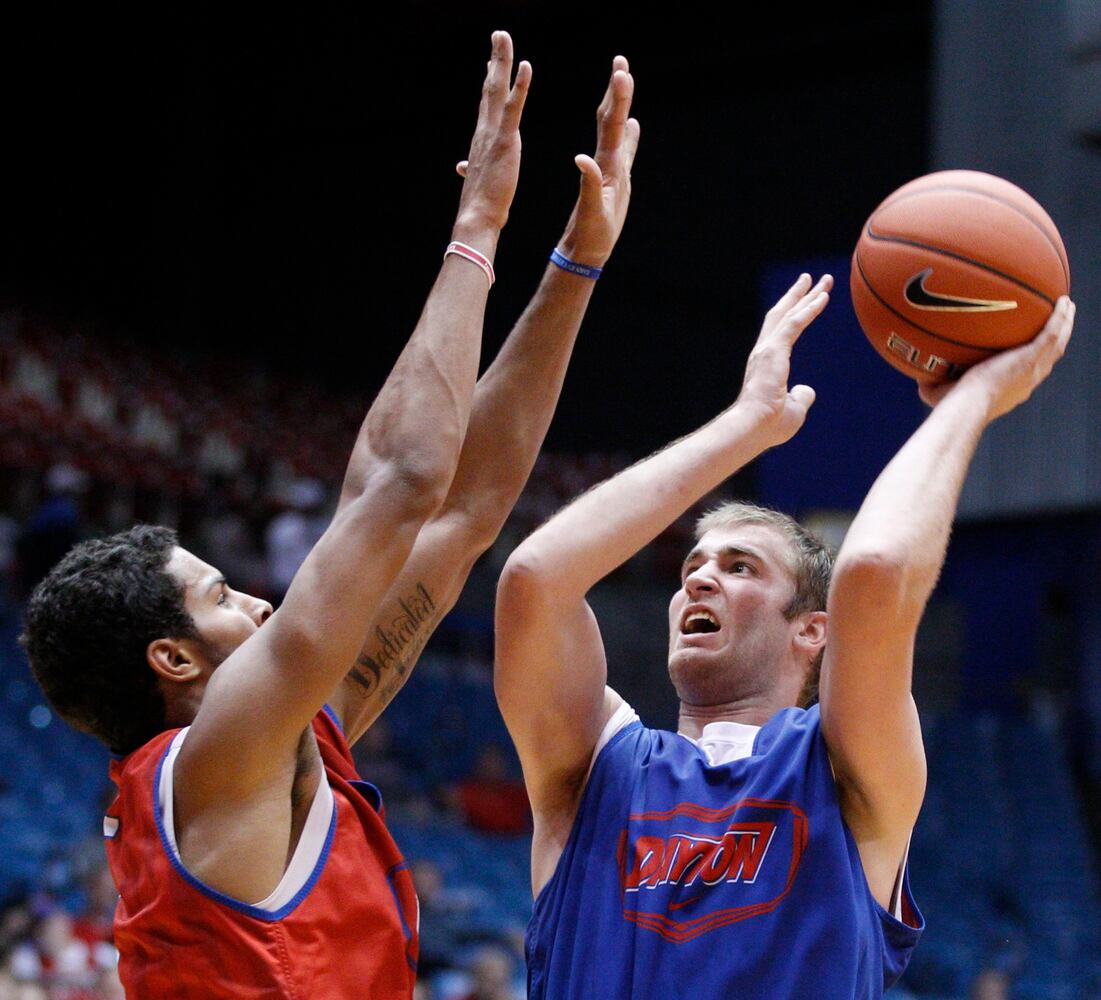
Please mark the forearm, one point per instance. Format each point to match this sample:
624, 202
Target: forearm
420, 415
514, 402
606, 526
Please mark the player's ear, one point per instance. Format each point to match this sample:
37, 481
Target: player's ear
810, 636
172, 660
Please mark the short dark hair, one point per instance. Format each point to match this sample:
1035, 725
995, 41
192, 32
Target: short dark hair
88, 625
811, 564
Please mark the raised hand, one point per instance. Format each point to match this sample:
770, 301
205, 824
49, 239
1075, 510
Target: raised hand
601, 208
492, 166
765, 385
1008, 378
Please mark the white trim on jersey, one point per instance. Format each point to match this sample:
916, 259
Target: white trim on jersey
306, 854
621, 718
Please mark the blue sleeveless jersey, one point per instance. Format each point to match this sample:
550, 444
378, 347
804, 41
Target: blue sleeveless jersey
684, 880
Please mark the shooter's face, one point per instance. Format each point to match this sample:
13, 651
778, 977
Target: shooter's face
728, 636
224, 617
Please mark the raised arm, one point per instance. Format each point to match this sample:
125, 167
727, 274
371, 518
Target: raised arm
259, 701
550, 671
513, 405
885, 572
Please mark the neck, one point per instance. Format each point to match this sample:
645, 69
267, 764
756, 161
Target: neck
181, 707
750, 710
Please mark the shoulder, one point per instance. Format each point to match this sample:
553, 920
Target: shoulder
790, 726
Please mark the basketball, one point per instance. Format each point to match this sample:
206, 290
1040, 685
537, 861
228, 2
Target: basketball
952, 268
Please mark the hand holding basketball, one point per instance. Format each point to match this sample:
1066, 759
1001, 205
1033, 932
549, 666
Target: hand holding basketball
765, 386
1009, 378
954, 267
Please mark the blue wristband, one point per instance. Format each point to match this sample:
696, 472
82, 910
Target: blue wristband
580, 269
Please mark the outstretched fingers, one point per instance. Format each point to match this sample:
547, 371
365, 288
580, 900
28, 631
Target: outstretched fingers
592, 184
501, 103
514, 105
797, 308
613, 112
630, 142
495, 89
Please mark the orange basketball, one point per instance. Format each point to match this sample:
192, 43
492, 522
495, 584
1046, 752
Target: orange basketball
954, 267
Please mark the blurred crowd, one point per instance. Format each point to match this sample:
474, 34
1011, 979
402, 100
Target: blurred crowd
245, 462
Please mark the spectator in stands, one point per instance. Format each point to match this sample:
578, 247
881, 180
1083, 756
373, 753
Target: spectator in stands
109, 986
444, 914
492, 972
376, 757
991, 984
56, 526
57, 958
12, 988
491, 799
225, 536
293, 533
95, 926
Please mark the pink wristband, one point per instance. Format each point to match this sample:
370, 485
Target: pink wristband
472, 255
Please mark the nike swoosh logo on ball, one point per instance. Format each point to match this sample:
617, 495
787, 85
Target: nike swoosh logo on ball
919, 296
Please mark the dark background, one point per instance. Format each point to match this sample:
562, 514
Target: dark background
278, 191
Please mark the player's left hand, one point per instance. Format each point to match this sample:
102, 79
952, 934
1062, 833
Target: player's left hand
1007, 379
601, 208
765, 393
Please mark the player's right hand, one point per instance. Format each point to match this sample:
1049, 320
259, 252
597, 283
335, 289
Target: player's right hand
765, 386
492, 166
1007, 379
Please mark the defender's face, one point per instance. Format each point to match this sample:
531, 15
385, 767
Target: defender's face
728, 636
224, 617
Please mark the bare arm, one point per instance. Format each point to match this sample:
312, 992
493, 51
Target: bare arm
550, 672
259, 701
885, 573
513, 405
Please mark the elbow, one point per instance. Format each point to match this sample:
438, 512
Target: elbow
887, 579
480, 515
419, 485
524, 582
875, 565
418, 471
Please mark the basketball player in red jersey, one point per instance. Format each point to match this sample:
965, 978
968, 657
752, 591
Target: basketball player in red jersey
250, 859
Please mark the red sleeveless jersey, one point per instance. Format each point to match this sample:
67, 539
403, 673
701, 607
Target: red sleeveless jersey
351, 931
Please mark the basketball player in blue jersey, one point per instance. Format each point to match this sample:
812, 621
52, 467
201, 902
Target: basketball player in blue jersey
761, 850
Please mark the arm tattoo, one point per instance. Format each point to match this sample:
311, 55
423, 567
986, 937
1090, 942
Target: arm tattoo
395, 645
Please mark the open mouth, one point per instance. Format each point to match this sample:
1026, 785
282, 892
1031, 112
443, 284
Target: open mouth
699, 623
